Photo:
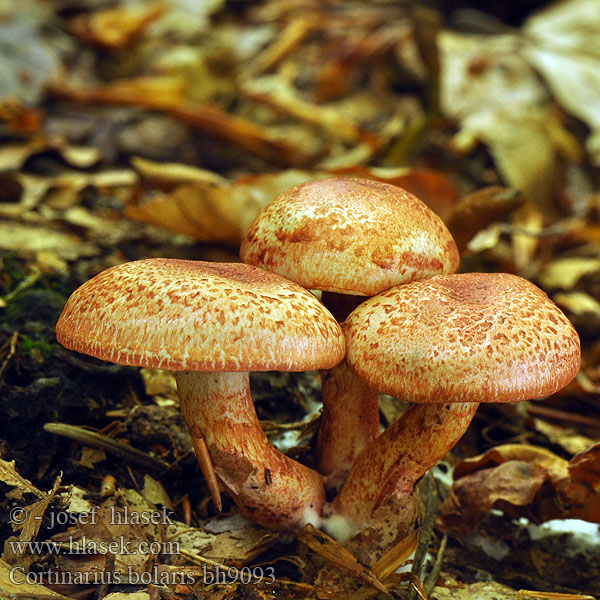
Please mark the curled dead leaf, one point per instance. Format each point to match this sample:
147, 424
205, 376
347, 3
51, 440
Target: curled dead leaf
525, 481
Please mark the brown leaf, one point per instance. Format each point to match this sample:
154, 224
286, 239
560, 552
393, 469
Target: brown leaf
512, 477
189, 209
478, 210
115, 28
125, 525
18, 117
234, 541
430, 186
212, 213
584, 469
585, 466
14, 585
171, 174
31, 526
223, 212
10, 476
473, 496
564, 273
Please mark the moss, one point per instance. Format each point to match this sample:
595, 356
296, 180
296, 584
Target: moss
13, 269
42, 305
36, 348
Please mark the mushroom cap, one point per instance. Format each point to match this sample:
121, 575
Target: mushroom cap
352, 236
200, 316
475, 337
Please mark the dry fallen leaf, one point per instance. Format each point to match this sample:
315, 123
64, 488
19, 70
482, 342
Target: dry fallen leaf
337, 555
26, 67
116, 27
223, 212
523, 480
171, 174
234, 541
169, 94
480, 209
488, 84
565, 437
562, 42
16, 586
30, 527
564, 273
10, 476
124, 525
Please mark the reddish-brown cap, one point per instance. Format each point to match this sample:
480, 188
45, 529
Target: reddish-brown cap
476, 337
200, 316
353, 236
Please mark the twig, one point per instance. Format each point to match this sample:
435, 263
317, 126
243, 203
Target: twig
23, 285
109, 567
334, 553
11, 352
201, 560
424, 537
97, 440
521, 594
562, 415
432, 577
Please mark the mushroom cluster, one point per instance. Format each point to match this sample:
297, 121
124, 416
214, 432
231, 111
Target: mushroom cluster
445, 342
403, 323
348, 238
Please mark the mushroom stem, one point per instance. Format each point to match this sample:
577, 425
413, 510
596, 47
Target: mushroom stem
350, 422
391, 466
269, 487
350, 419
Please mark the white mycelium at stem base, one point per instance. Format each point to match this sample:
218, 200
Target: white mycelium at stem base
269, 487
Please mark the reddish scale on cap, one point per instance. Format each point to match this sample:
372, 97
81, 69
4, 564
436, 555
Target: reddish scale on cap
475, 337
352, 236
193, 315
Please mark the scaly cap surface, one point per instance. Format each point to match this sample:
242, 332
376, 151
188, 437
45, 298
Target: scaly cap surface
475, 337
200, 316
352, 236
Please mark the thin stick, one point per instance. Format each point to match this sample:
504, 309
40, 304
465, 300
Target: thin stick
561, 415
30, 280
97, 440
424, 536
432, 577
11, 352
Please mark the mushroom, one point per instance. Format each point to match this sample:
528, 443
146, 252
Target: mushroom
349, 238
446, 343
212, 323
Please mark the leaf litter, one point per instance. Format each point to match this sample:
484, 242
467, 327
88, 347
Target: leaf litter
160, 129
